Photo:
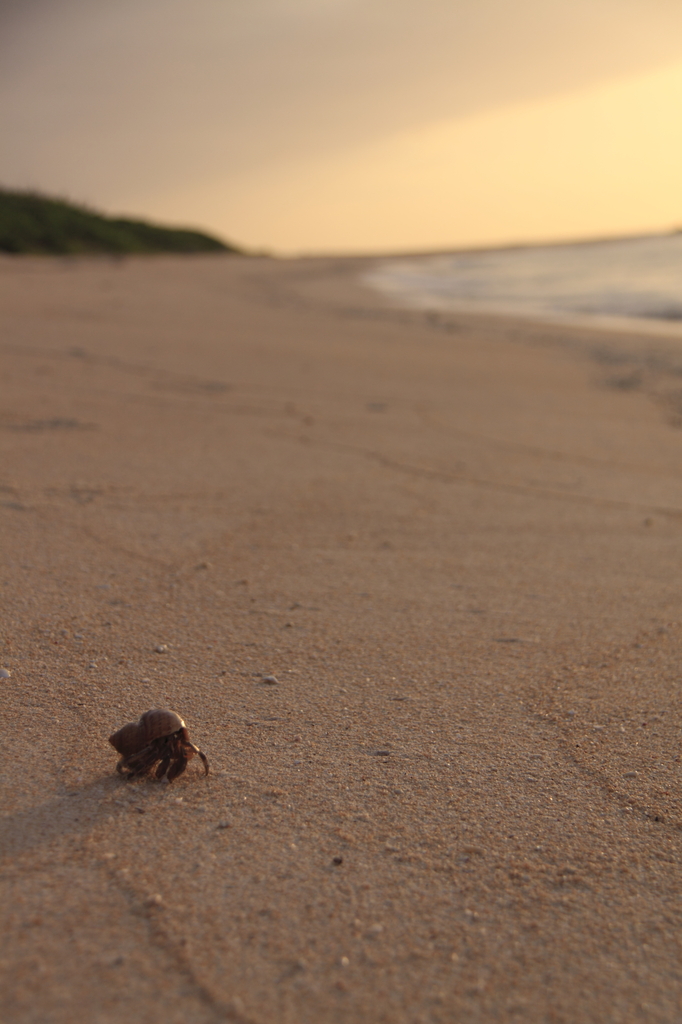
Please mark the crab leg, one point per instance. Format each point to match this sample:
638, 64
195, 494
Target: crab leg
202, 755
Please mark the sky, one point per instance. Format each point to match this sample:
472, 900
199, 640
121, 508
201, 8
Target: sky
340, 126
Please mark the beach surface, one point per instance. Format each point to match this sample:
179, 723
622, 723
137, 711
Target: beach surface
455, 543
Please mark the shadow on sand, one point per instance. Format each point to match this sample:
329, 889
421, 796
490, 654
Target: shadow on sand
76, 810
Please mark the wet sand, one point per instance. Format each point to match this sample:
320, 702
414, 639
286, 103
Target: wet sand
455, 542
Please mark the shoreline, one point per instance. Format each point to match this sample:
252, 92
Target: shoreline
421, 283
453, 540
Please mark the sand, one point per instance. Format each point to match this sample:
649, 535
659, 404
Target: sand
456, 544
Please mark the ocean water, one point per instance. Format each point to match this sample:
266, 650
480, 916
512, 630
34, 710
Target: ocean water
633, 283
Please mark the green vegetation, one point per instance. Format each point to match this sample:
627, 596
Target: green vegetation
31, 223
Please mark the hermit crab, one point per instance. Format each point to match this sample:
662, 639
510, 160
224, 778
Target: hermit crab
158, 744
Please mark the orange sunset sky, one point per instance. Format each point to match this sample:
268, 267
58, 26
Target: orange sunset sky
349, 126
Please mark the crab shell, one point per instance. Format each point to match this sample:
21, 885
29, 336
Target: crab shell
135, 736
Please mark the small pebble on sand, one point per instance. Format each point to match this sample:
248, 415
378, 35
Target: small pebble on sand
5, 673
161, 648
271, 680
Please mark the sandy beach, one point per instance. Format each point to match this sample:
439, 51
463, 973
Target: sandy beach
455, 542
